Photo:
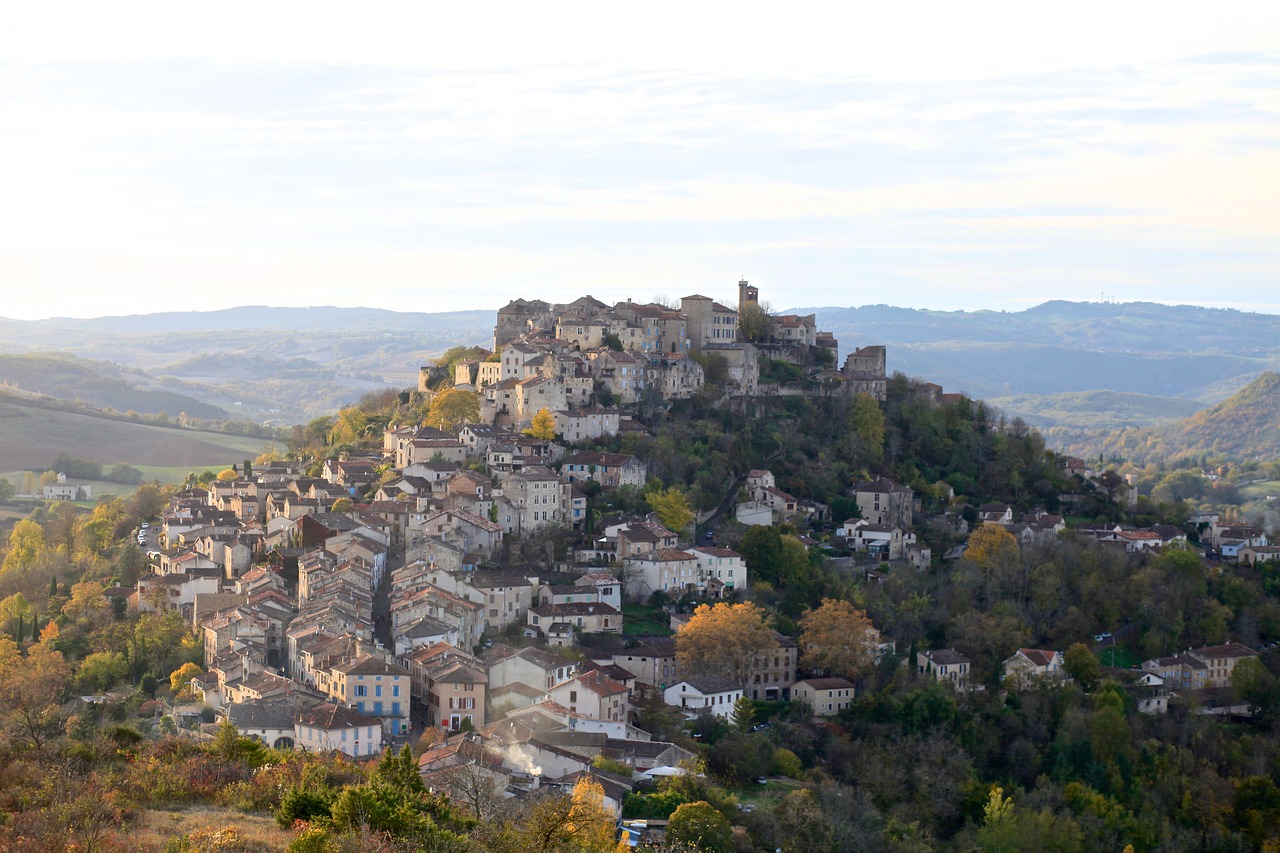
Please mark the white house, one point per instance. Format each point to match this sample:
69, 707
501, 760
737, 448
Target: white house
704, 695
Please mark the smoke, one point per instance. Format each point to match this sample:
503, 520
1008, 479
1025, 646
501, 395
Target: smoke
1271, 523
519, 757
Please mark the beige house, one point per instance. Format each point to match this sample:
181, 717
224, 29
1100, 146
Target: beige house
653, 663
594, 695
885, 502
373, 686
667, 570
583, 618
826, 696
946, 665
708, 322
1028, 665
583, 424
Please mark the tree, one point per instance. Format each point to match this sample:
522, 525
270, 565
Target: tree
180, 678
543, 425
15, 611
7, 491
1255, 684
88, 604
26, 544
29, 483
839, 638
701, 826
31, 692
452, 409
1080, 663
723, 640
672, 506
550, 823
102, 670
989, 544
744, 714
866, 428
227, 475
753, 322
342, 505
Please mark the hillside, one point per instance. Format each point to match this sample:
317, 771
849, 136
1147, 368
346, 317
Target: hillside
282, 365
1246, 425
1095, 409
101, 384
31, 434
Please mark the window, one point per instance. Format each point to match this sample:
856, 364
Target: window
360, 690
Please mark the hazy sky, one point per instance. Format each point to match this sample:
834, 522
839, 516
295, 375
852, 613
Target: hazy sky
180, 156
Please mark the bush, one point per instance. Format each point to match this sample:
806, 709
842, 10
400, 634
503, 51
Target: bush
786, 763
299, 804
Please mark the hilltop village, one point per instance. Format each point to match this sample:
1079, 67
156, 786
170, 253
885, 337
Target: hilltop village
561, 357
631, 545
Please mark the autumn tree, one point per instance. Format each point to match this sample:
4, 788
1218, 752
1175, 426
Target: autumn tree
88, 605
26, 544
15, 614
227, 475
995, 552
839, 638
672, 506
701, 826
180, 678
453, 409
989, 544
31, 692
723, 639
543, 425
550, 823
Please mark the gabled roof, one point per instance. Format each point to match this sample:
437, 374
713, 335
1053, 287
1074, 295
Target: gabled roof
708, 684
1039, 657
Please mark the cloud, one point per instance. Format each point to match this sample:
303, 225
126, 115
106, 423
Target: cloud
331, 163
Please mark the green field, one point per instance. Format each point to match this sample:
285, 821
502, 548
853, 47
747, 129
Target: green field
30, 437
1118, 656
643, 619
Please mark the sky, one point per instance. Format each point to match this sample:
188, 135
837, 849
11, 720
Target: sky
181, 156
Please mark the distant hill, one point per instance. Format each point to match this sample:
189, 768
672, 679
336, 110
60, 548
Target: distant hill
1095, 409
99, 384
1246, 425
1064, 366
281, 365
32, 434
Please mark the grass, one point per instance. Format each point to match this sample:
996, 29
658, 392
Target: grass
1118, 656
644, 619
157, 827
